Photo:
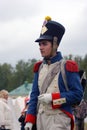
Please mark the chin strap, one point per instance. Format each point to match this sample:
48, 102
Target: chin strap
55, 45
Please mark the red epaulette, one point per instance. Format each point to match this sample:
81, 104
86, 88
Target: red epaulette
36, 66
72, 66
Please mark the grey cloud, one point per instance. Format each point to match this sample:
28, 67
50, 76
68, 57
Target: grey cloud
12, 9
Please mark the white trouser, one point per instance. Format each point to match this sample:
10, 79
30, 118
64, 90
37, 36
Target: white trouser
59, 121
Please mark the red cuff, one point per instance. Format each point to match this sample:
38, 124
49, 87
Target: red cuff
54, 97
30, 118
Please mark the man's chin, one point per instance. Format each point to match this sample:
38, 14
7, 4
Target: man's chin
43, 55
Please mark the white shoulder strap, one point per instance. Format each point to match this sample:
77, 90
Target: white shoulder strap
64, 74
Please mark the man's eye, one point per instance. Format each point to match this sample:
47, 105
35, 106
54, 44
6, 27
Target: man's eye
43, 43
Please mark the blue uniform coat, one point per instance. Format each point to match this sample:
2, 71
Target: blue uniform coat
72, 96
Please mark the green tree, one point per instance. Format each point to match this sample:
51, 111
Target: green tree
5, 76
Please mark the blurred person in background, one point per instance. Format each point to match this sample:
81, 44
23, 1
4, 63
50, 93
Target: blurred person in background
21, 119
6, 121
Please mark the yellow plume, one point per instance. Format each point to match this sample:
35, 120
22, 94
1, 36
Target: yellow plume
48, 18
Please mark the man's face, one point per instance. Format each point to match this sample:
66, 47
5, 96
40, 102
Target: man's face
45, 48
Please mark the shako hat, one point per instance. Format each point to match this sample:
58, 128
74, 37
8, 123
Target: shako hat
51, 29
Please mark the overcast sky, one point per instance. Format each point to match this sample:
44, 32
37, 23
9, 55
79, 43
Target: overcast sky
21, 21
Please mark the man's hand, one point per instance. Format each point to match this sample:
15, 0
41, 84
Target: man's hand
45, 98
28, 126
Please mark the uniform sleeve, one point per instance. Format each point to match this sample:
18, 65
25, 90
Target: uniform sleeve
75, 92
32, 109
